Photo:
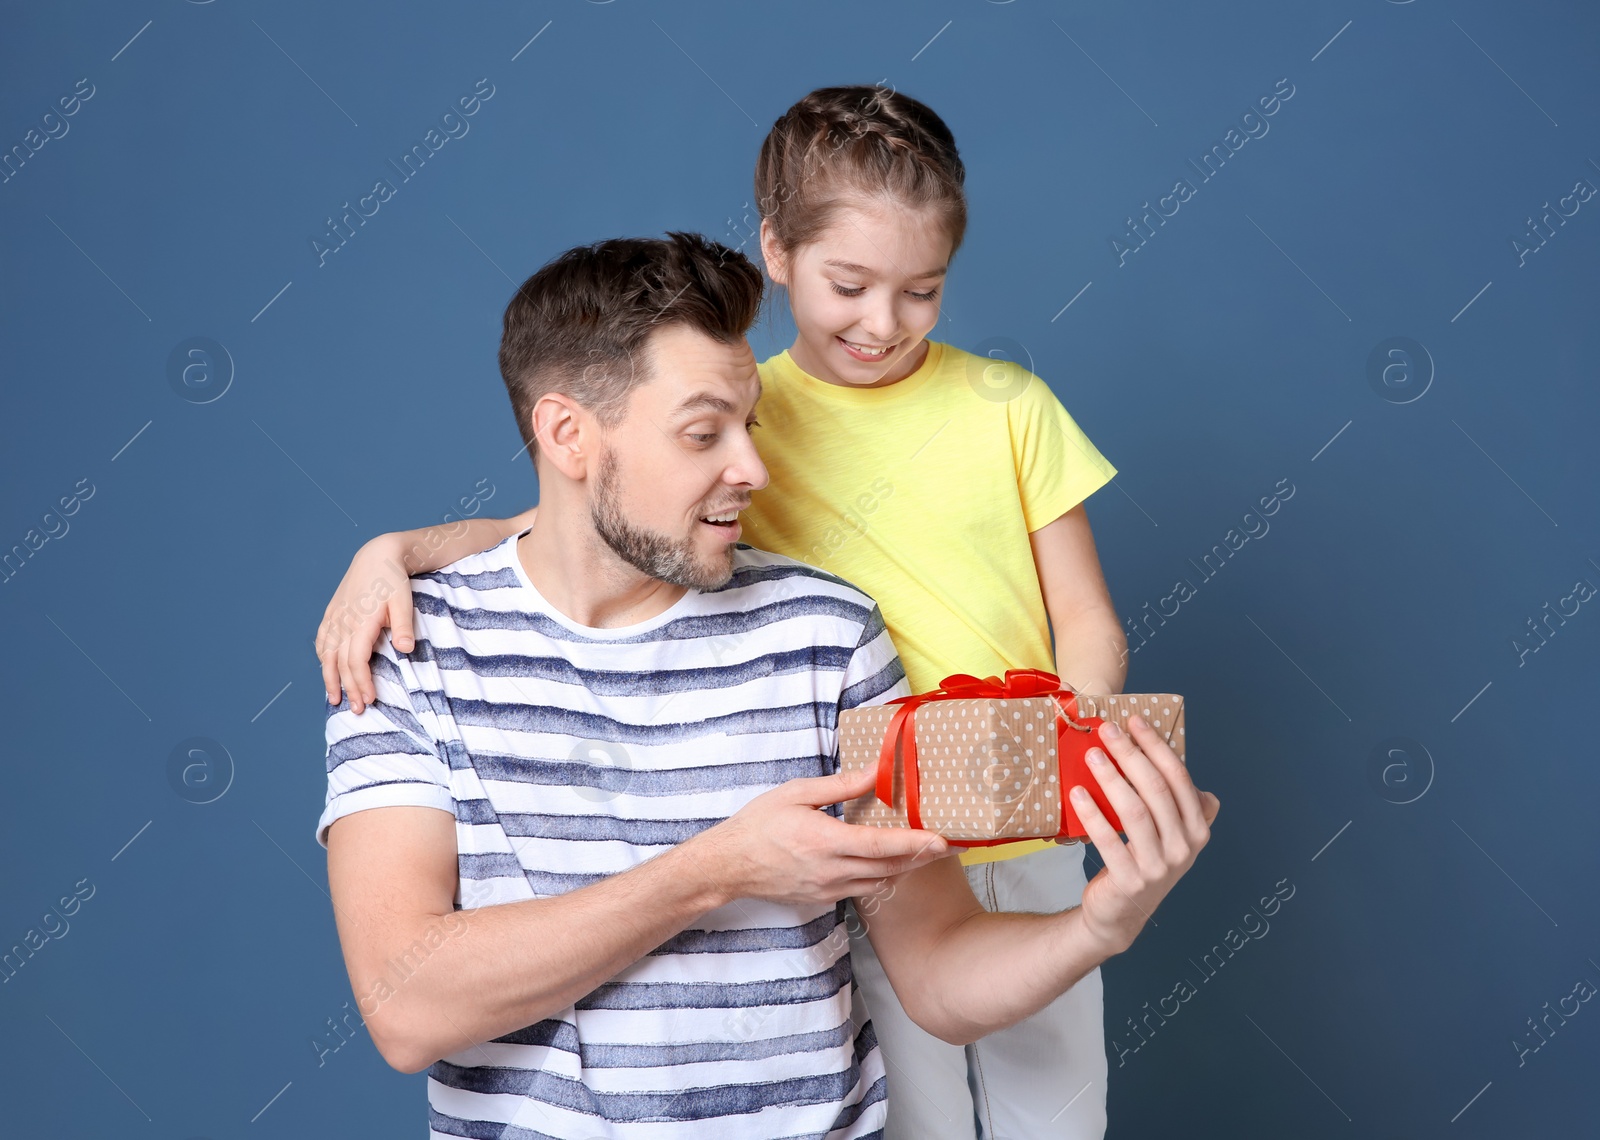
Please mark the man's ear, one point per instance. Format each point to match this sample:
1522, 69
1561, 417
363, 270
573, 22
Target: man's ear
564, 432
772, 253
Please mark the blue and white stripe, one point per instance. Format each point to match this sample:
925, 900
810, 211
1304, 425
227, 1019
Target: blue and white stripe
568, 754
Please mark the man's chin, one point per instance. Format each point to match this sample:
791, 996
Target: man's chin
712, 572
690, 561
726, 573
691, 570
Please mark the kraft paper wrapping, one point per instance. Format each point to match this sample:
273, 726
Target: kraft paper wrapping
987, 767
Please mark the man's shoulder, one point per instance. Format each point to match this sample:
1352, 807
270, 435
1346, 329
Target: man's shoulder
761, 575
481, 573
482, 592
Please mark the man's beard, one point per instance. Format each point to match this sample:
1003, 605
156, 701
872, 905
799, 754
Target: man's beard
670, 560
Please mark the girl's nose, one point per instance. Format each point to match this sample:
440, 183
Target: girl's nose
879, 324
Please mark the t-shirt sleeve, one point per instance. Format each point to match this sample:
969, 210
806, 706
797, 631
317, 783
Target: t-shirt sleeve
874, 675
384, 757
1057, 467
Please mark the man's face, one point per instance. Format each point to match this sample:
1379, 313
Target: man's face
673, 475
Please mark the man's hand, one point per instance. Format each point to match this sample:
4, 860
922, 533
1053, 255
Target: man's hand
374, 595
1167, 822
780, 847
963, 972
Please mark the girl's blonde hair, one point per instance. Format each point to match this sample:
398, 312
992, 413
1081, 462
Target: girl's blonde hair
839, 146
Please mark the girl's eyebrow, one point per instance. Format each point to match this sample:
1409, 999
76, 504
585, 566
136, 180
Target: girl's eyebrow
852, 267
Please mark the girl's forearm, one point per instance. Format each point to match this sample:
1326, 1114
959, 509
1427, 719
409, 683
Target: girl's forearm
429, 548
1092, 652
1044, 954
1091, 649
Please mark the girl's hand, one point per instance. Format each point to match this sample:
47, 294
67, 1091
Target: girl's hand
1167, 821
374, 595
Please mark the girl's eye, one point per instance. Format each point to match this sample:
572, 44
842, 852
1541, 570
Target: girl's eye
752, 425
843, 292
704, 438
930, 296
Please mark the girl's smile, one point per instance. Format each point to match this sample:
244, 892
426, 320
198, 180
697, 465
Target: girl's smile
865, 293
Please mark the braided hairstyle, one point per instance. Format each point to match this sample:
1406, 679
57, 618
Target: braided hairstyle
840, 146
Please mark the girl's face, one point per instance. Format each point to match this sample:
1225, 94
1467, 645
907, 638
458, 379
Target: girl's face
865, 293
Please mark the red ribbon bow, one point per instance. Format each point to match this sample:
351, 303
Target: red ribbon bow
1017, 683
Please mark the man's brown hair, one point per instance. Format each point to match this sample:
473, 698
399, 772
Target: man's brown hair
581, 325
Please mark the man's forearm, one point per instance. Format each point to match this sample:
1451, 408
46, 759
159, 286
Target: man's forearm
504, 967
996, 968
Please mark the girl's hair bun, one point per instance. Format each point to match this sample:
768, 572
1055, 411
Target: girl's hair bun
839, 145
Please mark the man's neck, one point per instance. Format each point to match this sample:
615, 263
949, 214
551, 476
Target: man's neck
577, 573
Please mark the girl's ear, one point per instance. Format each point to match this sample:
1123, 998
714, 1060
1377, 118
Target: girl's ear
773, 255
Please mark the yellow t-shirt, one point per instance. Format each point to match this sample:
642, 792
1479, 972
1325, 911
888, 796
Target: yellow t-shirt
923, 494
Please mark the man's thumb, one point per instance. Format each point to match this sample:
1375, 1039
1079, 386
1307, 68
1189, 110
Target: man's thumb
845, 784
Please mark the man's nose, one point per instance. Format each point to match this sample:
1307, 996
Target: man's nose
746, 469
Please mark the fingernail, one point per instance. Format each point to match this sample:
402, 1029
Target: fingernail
1080, 796
1110, 730
1096, 757
1136, 721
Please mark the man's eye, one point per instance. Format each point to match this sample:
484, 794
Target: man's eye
843, 292
709, 437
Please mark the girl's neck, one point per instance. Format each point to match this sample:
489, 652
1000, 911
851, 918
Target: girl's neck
800, 352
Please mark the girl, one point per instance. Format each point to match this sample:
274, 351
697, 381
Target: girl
947, 486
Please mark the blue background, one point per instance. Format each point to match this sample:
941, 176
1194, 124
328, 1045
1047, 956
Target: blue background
1442, 893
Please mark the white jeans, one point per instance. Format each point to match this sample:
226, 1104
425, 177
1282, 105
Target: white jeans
1042, 1079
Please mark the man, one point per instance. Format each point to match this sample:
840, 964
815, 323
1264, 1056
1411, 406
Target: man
583, 848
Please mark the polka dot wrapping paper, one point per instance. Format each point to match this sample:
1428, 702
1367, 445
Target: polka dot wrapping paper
987, 767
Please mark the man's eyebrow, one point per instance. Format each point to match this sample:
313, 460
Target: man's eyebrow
852, 267
711, 402
704, 402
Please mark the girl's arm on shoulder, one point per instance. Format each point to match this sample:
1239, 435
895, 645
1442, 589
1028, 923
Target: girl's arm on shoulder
1091, 649
375, 595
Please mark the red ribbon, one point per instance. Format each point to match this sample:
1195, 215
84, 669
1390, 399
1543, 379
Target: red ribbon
962, 686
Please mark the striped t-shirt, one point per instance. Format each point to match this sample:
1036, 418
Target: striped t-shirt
567, 754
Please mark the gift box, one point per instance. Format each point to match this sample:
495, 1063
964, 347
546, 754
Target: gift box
987, 761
